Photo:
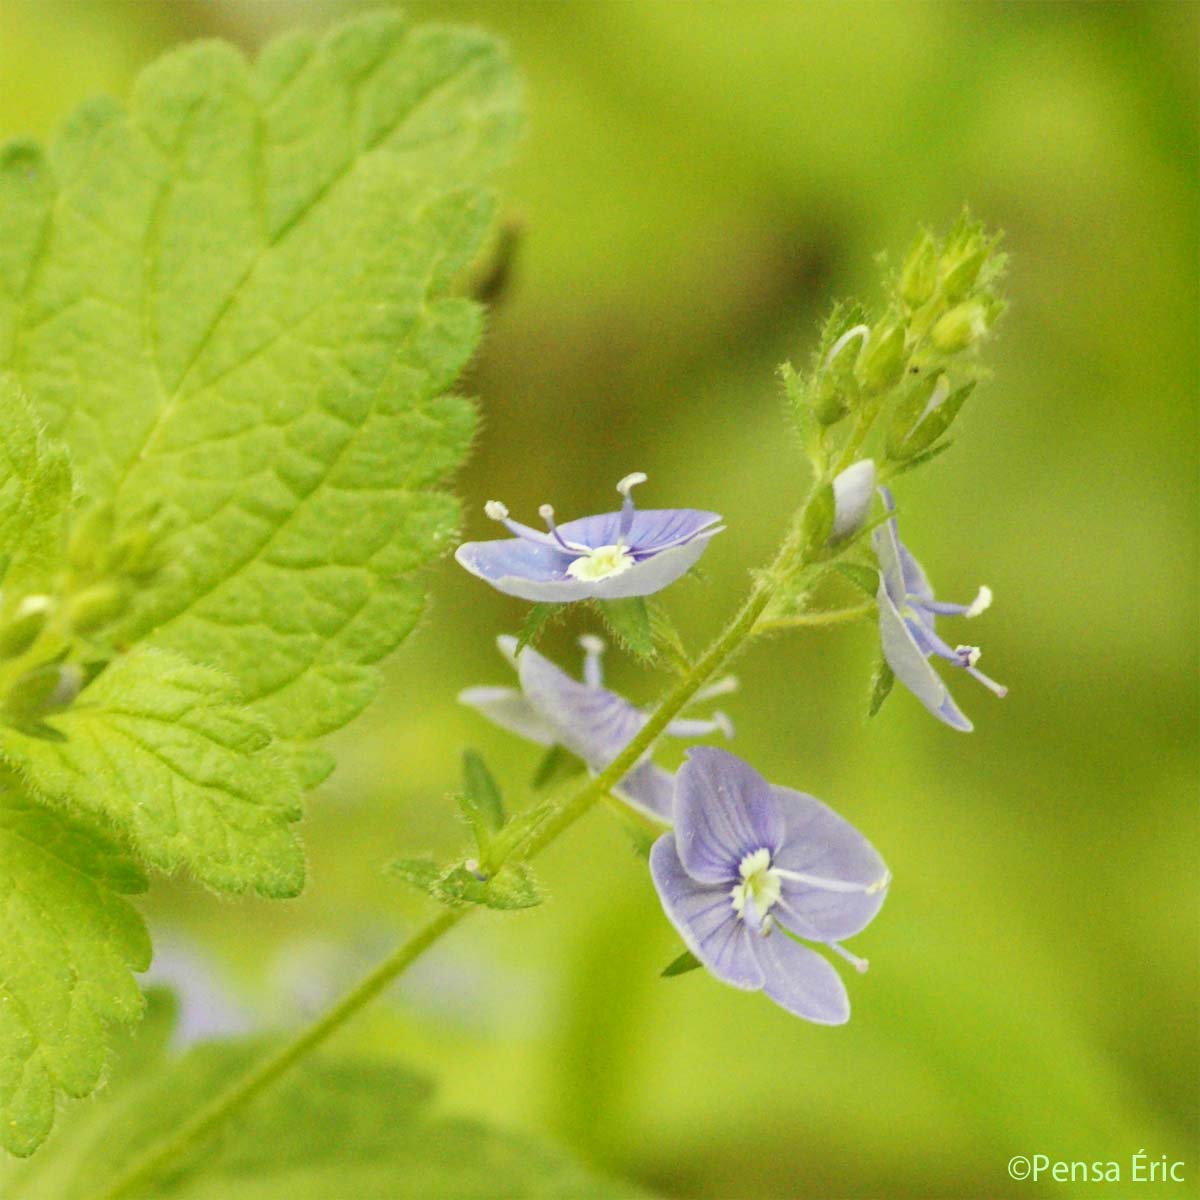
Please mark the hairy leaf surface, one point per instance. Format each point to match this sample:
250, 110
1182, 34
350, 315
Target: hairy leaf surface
68, 945
235, 296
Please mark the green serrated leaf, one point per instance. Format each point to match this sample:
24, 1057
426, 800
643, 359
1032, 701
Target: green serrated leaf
629, 621
536, 621
864, 578
513, 886
235, 295
686, 962
481, 801
332, 1129
557, 764
881, 687
69, 943
422, 873
161, 749
666, 636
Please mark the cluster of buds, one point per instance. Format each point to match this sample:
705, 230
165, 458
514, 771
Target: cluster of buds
51, 643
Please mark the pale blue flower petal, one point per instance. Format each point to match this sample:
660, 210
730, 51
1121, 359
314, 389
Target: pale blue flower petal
652, 531
912, 668
822, 845
650, 788
509, 709
705, 919
801, 980
516, 566
723, 811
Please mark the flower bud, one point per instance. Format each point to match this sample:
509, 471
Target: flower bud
96, 606
21, 630
43, 690
829, 402
961, 272
853, 490
91, 533
885, 359
962, 325
919, 275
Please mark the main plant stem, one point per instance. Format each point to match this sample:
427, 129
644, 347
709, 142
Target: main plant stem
242, 1091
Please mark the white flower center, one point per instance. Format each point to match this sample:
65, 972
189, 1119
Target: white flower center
601, 563
761, 885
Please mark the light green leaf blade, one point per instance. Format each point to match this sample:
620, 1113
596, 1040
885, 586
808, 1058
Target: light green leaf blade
68, 944
238, 300
35, 494
330, 1130
160, 748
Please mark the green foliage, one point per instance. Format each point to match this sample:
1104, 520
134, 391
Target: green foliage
228, 309
512, 886
881, 687
629, 622
481, 801
686, 962
69, 943
334, 1128
537, 620
160, 748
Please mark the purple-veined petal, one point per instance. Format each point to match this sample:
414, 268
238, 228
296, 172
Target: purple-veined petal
724, 810
650, 788
916, 582
653, 573
592, 722
801, 980
824, 846
911, 666
705, 919
518, 567
509, 709
652, 531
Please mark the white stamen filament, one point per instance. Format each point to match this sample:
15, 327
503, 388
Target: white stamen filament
834, 885
859, 964
859, 331
981, 603
719, 687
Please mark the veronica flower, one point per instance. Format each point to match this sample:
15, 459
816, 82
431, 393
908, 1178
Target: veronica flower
587, 719
751, 867
908, 612
606, 557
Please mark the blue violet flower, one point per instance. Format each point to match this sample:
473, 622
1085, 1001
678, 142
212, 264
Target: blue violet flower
751, 867
587, 719
611, 556
908, 612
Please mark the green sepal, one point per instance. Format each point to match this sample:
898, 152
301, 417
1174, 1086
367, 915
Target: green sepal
513, 886
881, 686
863, 577
933, 426
629, 621
818, 521
535, 623
481, 802
666, 636
423, 873
686, 962
921, 459
556, 764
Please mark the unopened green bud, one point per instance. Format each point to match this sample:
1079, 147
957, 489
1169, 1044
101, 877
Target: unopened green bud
962, 325
21, 630
43, 690
919, 275
885, 359
96, 606
829, 402
91, 533
917, 426
962, 272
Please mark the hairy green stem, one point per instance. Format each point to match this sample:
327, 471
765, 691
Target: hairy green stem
190, 1133
836, 616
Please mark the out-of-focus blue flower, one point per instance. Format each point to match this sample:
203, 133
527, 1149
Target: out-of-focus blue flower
608, 557
750, 867
587, 719
908, 612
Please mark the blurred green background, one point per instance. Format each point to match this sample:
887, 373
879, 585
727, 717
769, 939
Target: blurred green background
699, 181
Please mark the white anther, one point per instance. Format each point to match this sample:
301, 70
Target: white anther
496, 511
631, 481
546, 512
981, 603
971, 654
589, 643
859, 964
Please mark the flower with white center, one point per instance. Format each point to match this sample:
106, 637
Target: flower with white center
551, 708
908, 612
750, 868
611, 556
